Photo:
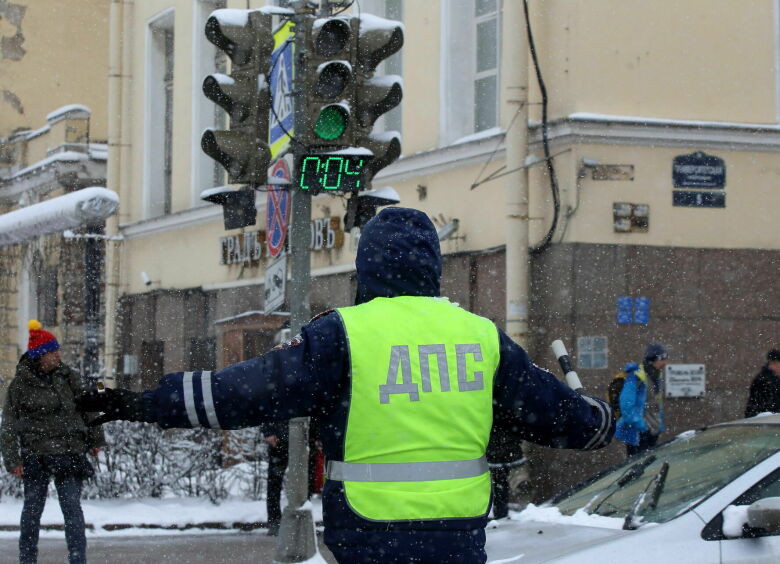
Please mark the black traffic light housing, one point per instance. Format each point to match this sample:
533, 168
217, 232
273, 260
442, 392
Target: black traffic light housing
362, 207
238, 206
328, 78
246, 36
343, 97
377, 39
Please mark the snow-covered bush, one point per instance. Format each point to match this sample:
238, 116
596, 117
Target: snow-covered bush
140, 460
143, 461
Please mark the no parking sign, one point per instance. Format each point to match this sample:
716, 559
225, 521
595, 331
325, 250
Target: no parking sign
277, 210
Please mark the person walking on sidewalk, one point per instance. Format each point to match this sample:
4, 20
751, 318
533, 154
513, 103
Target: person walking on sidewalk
276, 434
405, 386
642, 402
42, 436
765, 389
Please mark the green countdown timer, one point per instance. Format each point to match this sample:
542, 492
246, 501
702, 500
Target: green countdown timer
343, 173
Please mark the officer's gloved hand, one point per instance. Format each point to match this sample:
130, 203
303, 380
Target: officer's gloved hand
114, 404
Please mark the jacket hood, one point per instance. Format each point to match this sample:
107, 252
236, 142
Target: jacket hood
398, 255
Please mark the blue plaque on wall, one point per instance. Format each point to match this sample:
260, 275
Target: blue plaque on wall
642, 311
698, 170
633, 310
625, 310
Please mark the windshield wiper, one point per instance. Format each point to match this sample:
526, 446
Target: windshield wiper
627, 477
656, 488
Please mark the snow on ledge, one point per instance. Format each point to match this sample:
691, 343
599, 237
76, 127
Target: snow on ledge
65, 156
77, 209
608, 118
79, 110
480, 135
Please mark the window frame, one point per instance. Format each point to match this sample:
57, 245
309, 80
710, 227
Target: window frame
158, 182
590, 351
458, 58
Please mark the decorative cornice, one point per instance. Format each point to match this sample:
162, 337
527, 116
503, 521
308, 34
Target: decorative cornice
580, 128
207, 213
61, 170
625, 130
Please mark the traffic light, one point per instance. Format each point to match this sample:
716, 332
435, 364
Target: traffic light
328, 83
377, 39
342, 100
246, 36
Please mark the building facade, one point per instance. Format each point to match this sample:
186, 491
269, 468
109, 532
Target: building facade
662, 121
53, 123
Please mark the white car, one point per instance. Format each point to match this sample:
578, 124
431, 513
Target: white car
707, 496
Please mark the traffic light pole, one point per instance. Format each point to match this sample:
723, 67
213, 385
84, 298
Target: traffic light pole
297, 540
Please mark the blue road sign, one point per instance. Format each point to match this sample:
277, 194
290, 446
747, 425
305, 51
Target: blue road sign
281, 82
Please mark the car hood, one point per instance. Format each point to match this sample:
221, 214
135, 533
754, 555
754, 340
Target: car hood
535, 541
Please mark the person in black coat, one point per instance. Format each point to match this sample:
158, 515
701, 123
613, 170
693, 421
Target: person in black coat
504, 452
276, 434
765, 389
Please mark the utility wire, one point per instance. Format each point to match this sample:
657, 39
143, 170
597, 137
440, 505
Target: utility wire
545, 140
492, 175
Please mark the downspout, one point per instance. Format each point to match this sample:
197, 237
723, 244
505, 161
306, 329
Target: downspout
514, 119
112, 183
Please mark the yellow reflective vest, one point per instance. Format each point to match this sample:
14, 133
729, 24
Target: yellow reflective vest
420, 410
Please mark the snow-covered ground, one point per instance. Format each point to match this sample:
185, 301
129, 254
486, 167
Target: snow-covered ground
140, 514
193, 516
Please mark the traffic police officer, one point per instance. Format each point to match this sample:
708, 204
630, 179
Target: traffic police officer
405, 386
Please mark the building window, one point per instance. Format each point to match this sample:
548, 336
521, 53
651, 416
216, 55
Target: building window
592, 352
206, 59
488, 39
470, 68
159, 115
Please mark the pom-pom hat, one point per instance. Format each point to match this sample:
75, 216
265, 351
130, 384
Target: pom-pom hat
41, 341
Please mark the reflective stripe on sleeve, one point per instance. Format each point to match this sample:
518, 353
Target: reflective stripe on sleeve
405, 471
189, 399
599, 439
208, 400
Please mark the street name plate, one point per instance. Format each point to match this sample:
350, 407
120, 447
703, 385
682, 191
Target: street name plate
685, 380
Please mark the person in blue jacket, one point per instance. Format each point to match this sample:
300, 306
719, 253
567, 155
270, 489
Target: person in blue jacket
319, 374
642, 418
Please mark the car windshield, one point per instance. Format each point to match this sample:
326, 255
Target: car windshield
699, 464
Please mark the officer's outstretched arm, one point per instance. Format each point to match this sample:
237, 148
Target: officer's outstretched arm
543, 410
290, 381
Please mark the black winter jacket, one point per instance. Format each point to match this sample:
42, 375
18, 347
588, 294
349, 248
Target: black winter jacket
764, 393
40, 415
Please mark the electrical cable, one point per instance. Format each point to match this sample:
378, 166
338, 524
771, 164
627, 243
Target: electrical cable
492, 175
545, 141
